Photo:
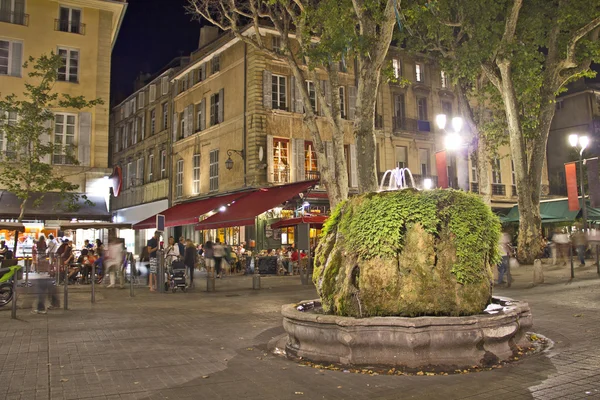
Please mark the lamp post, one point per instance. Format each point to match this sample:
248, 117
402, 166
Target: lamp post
229, 161
581, 142
454, 142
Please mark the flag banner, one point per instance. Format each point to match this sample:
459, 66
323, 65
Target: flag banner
442, 169
593, 181
571, 176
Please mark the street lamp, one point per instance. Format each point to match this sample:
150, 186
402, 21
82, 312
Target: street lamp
581, 142
454, 142
229, 161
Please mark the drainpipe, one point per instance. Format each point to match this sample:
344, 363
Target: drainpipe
245, 105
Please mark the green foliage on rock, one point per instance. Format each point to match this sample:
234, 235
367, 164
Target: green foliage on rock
408, 253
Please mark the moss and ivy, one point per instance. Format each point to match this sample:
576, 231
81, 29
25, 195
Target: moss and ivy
408, 253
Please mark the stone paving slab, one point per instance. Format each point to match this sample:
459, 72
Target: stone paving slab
202, 345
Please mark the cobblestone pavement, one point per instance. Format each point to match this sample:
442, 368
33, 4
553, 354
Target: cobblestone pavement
202, 345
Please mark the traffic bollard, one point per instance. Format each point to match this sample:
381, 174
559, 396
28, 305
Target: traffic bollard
13, 312
93, 283
66, 291
160, 273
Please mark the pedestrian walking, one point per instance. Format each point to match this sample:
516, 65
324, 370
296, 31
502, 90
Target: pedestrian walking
580, 242
41, 249
114, 261
505, 250
218, 254
46, 289
152, 249
209, 257
189, 259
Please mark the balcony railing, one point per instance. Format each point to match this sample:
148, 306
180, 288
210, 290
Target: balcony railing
14, 18
514, 191
498, 189
62, 159
475, 187
64, 25
410, 125
312, 175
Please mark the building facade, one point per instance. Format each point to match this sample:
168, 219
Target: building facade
236, 123
83, 33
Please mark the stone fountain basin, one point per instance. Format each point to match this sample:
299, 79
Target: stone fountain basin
483, 339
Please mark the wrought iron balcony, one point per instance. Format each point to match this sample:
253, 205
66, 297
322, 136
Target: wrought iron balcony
498, 189
64, 25
14, 18
410, 125
475, 187
312, 175
514, 191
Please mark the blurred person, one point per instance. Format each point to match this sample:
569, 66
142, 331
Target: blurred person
172, 252
209, 258
580, 242
218, 254
153, 246
181, 245
504, 266
189, 259
114, 261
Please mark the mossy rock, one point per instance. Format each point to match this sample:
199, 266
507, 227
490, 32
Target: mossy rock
408, 253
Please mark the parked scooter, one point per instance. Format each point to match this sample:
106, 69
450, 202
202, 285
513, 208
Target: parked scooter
7, 276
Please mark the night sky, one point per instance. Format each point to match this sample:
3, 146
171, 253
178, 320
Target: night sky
153, 33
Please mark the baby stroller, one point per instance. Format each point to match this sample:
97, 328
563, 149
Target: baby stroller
178, 276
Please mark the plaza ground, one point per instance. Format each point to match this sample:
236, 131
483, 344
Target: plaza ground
202, 345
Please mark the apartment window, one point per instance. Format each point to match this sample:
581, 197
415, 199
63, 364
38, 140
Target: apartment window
133, 105
11, 119
214, 170
64, 138
140, 172
165, 85
281, 160
129, 175
182, 127
447, 108
424, 162
310, 160
70, 20
125, 138
559, 105
216, 63
152, 121
216, 108
276, 44
401, 157
179, 179
200, 116
69, 71
422, 108
165, 112
196, 174
473, 170
141, 100
13, 12
396, 68
11, 55
342, 91
312, 95
496, 172
116, 141
163, 164
419, 72
150, 167
444, 79
278, 94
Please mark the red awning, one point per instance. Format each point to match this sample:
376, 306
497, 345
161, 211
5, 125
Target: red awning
188, 213
245, 209
313, 220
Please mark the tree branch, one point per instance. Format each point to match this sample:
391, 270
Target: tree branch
493, 76
569, 61
511, 22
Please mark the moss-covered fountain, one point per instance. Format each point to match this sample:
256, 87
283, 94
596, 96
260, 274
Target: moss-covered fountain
404, 277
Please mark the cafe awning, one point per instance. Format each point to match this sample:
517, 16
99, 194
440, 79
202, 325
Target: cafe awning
554, 211
188, 213
93, 225
245, 209
12, 226
316, 220
52, 208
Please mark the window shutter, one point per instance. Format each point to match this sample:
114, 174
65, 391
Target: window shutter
45, 138
292, 156
270, 166
143, 126
221, 105
185, 119
189, 123
152, 93
353, 167
293, 94
203, 114
85, 138
141, 100
298, 99
351, 102
141, 177
267, 89
321, 108
17, 61
176, 88
330, 160
203, 71
175, 125
300, 173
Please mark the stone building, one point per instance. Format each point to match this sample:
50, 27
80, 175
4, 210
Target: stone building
83, 33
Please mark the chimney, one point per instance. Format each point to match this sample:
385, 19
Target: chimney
207, 35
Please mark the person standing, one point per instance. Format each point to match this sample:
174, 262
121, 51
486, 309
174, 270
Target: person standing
218, 253
172, 252
503, 267
152, 249
41, 249
189, 259
181, 246
209, 257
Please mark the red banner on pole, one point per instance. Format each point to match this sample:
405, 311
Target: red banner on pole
442, 169
571, 176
